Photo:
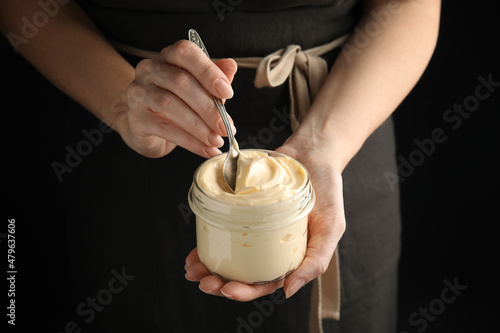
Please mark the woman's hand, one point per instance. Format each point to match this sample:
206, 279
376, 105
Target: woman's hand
326, 220
326, 227
170, 102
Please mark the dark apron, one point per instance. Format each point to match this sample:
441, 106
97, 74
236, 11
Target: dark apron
128, 216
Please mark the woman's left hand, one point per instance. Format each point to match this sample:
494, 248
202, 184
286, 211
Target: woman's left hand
326, 227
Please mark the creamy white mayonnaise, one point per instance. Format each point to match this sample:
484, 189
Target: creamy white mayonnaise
261, 179
257, 234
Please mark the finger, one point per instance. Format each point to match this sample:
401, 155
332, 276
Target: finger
222, 126
196, 272
212, 285
186, 87
173, 108
190, 57
243, 292
154, 123
192, 257
229, 67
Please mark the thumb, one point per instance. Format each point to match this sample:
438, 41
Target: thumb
326, 226
228, 67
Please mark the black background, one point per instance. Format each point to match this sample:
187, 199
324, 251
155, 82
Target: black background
449, 202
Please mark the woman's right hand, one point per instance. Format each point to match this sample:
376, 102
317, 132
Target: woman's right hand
170, 102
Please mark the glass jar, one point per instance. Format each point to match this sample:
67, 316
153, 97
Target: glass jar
253, 244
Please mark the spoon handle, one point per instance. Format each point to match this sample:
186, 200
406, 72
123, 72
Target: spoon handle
195, 38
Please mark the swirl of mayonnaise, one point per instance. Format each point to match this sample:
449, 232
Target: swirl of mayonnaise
261, 179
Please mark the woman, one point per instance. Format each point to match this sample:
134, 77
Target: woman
126, 211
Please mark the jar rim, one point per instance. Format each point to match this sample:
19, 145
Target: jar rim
269, 152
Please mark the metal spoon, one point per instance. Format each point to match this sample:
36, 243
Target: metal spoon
230, 163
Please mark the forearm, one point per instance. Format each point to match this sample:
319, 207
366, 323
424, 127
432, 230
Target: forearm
370, 79
71, 53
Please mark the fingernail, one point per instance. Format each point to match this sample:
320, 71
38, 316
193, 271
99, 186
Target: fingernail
223, 88
206, 291
293, 288
189, 279
215, 140
222, 128
226, 295
212, 151
232, 124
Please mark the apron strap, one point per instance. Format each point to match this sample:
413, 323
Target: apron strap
305, 70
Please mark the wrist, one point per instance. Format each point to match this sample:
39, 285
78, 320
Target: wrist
337, 144
307, 150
